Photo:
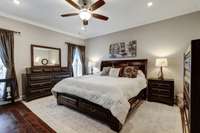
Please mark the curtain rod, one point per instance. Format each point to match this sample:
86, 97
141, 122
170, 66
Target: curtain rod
73, 44
16, 32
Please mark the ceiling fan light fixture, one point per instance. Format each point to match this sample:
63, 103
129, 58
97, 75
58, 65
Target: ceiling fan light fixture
17, 2
85, 14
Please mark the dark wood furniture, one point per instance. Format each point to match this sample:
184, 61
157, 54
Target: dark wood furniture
17, 118
140, 63
191, 108
98, 112
186, 91
38, 82
161, 91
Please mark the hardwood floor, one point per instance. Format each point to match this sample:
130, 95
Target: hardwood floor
17, 118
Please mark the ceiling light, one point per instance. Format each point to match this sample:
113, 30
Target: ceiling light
85, 14
149, 4
17, 2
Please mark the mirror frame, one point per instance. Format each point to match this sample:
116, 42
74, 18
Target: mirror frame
40, 46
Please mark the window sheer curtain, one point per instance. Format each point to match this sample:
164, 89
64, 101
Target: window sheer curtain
7, 57
71, 55
77, 64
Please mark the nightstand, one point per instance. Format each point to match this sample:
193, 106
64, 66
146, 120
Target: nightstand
161, 91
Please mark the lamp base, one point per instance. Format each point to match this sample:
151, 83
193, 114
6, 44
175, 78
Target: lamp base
92, 70
161, 77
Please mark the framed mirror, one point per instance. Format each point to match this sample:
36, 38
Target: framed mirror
45, 56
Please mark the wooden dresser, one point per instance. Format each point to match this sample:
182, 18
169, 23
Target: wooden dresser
38, 82
161, 91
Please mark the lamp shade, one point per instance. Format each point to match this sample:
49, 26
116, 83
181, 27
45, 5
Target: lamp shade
161, 62
91, 63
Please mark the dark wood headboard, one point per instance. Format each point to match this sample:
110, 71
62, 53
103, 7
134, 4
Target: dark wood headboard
140, 63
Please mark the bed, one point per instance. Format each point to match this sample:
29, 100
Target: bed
104, 98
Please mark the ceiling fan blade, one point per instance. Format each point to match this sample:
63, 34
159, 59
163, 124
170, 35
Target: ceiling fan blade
73, 4
69, 14
98, 16
97, 5
85, 22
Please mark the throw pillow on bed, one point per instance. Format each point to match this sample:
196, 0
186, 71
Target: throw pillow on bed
105, 71
130, 72
114, 72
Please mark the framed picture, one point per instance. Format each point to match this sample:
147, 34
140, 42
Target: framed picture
123, 50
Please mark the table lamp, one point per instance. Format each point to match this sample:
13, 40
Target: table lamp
161, 62
91, 65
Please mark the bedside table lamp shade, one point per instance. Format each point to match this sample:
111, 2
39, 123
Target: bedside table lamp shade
161, 62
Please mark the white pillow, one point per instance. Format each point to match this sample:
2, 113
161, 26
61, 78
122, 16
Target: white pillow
114, 72
140, 74
105, 71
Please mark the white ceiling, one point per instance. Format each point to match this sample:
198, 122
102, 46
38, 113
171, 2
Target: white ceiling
123, 14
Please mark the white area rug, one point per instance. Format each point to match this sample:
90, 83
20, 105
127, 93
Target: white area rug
148, 118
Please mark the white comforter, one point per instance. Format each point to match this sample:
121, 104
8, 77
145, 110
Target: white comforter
109, 92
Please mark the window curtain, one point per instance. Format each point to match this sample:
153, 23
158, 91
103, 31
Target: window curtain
7, 57
71, 52
82, 57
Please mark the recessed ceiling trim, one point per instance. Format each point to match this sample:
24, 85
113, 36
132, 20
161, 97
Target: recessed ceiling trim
39, 25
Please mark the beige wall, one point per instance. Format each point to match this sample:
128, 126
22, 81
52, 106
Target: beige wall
34, 35
167, 38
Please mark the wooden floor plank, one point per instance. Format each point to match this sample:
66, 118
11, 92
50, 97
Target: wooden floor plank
17, 118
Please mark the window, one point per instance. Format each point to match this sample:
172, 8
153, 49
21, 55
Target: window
2, 76
77, 65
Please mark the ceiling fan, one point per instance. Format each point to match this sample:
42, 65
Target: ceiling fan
86, 9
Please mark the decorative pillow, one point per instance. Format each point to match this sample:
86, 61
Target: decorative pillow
114, 72
130, 72
121, 66
105, 71
140, 74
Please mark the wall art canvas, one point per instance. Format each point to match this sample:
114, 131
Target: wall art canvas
123, 50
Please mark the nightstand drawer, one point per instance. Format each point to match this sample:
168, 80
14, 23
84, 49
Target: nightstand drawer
162, 85
160, 91
160, 99
159, 95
